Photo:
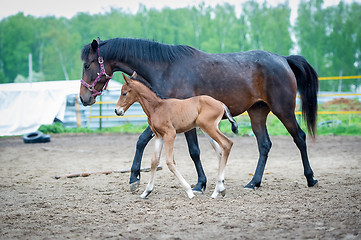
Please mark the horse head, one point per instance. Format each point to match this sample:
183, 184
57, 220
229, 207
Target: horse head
95, 78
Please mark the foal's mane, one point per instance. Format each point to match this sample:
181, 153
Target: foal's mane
123, 49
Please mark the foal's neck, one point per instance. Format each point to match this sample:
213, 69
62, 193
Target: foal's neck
147, 98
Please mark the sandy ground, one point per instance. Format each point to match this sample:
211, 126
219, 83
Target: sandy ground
34, 205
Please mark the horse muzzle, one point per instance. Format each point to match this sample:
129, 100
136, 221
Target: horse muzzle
89, 101
119, 111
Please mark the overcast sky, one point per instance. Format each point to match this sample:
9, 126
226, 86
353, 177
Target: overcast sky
69, 8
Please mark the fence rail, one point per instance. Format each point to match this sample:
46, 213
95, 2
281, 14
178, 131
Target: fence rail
340, 77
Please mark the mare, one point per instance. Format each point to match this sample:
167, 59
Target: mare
254, 81
167, 117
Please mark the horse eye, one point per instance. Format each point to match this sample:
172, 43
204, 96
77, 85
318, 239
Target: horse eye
86, 65
124, 94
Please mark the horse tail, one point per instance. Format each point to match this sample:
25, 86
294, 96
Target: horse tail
307, 84
227, 113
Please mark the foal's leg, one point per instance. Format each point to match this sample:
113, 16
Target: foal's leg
192, 141
222, 145
153, 167
143, 140
169, 149
258, 114
215, 146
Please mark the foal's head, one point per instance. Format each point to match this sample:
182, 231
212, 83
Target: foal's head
127, 96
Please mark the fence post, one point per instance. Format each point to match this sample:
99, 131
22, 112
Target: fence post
100, 112
78, 115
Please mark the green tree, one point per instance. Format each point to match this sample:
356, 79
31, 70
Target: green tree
269, 27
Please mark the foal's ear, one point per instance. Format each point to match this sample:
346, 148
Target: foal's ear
134, 75
126, 79
94, 45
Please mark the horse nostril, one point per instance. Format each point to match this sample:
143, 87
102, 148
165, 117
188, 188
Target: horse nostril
81, 99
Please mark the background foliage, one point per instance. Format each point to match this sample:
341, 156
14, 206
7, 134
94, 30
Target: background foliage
329, 38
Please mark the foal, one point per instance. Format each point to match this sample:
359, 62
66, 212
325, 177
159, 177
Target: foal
166, 117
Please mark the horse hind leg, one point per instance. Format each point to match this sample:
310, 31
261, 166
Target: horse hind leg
258, 114
299, 137
153, 167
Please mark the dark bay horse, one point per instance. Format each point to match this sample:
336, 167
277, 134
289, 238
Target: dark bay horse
167, 117
255, 81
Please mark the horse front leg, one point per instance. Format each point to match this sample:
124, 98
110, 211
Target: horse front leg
194, 152
258, 114
142, 142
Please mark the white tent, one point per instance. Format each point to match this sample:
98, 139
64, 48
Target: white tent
26, 106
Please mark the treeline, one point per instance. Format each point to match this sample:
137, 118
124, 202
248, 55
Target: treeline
329, 38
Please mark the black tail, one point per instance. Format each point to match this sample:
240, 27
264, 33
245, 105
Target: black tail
307, 84
231, 119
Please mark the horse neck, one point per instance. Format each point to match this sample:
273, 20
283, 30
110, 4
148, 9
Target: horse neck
147, 98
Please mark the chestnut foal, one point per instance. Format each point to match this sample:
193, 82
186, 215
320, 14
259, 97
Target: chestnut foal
166, 117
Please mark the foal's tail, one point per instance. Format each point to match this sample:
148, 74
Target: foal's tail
231, 119
307, 84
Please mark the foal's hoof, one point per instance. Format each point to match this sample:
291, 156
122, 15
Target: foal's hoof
312, 183
134, 186
223, 193
215, 193
145, 194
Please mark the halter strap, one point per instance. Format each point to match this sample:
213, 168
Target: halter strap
102, 72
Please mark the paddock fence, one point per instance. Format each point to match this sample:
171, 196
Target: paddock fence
101, 114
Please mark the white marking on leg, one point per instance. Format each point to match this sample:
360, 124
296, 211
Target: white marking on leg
158, 147
220, 188
154, 164
183, 182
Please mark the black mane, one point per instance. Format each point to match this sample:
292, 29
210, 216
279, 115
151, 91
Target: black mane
124, 49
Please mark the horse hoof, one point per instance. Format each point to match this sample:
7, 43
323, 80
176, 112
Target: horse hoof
134, 186
313, 183
199, 188
197, 192
223, 192
249, 186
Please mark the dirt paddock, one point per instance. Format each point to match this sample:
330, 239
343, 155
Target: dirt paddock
34, 205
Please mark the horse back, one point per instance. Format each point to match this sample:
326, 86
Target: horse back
237, 79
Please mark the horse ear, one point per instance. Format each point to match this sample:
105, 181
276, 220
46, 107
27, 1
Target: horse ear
94, 45
126, 79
